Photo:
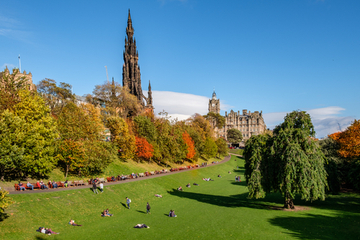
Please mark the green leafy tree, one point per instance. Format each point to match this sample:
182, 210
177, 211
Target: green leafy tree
39, 135
216, 118
10, 85
5, 202
144, 127
290, 162
98, 155
333, 165
221, 146
234, 136
71, 156
210, 148
56, 97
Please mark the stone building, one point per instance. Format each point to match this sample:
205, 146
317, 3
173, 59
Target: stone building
248, 123
131, 69
17, 75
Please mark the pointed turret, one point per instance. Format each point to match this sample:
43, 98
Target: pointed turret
129, 28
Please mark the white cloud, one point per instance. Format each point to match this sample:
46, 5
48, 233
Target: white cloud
179, 105
325, 120
9, 65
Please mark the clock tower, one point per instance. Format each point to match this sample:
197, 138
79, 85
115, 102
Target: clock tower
214, 104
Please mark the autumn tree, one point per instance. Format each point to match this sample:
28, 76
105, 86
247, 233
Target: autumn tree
216, 118
290, 162
126, 143
349, 151
5, 202
10, 85
71, 156
55, 96
190, 145
234, 136
115, 100
80, 122
349, 141
221, 146
144, 149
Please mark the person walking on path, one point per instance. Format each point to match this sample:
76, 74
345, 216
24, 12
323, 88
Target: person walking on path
95, 188
148, 208
101, 187
128, 201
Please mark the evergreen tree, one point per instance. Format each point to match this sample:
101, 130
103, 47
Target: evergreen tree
290, 162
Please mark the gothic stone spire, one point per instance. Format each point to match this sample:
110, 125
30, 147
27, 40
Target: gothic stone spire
131, 69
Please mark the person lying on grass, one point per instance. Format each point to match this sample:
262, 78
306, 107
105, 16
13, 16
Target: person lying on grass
172, 213
207, 179
195, 184
158, 195
46, 231
141, 226
72, 222
106, 213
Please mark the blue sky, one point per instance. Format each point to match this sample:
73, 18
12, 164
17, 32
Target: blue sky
270, 56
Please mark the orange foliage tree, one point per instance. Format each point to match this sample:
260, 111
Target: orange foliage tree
143, 148
349, 140
189, 144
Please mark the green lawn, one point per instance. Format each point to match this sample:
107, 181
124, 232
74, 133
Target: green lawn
212, 210
236, 151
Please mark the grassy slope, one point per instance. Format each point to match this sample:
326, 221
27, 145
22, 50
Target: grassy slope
236, 151
116, 168
213, 210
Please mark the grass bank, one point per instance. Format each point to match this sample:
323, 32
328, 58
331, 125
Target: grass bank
213, 210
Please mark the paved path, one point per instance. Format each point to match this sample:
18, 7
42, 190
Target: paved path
227, 158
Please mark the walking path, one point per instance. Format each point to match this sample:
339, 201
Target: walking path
227, 158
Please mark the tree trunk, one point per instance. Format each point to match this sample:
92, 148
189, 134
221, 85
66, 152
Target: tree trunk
67, 170
289, 202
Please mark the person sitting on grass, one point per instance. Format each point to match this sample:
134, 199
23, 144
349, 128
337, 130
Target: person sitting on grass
158, 195
106, 213
72, 222
188, 185
172, 213
141, 226
180, 188
219, 175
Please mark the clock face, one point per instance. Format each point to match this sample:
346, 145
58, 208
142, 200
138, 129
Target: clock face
213, 104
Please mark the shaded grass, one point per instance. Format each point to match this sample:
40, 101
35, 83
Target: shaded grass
236, 151
212, 210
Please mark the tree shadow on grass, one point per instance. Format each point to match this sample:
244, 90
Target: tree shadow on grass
37, 237
310, 226
3, 216
242, 183
239, 200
